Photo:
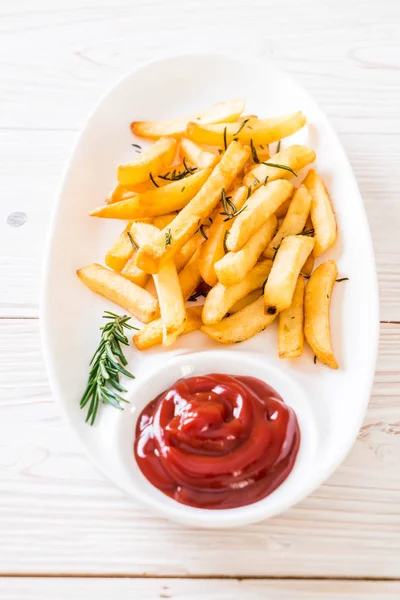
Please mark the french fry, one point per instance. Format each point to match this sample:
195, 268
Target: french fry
172, 306
281, 212
316, 312
234, 266
241, 326
158, 201
219, 113
259, 207
294, 221
220, 299
196, 155
260, 132
183, 256
120, 251
189, 277
322, 215
293, 157
172, 238
281, 283
156, 158
143, 233
163, 220
152, 333
308, 266
213, 249
259, 154
137, 301
291, 321
119, 193
131, 272
243, 302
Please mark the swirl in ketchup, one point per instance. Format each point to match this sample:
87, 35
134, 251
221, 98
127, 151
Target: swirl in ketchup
217, 441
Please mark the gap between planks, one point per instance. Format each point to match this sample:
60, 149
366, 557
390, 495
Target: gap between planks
37, 575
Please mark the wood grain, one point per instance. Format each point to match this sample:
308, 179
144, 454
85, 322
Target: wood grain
59, 515
181, 589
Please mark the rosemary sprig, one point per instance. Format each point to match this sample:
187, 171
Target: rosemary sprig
342, 279
278, 147
266, 180
284, 167
132, 241
306, 232
229, 208
153, 181
254, 152
168, 237
177, 175
225, 144
243, 123
106, 365
203, 233
224, 242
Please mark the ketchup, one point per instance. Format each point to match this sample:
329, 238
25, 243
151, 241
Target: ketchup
217, 441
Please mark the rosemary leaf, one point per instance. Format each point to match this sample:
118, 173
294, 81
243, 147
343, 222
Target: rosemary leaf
132, 241
284, 167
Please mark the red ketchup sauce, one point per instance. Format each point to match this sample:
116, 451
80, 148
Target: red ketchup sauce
217, 441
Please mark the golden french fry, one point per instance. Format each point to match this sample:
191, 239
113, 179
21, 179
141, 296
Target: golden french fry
308, 266
183, 256
156, 158
241, 326
294, 221
281, 283
316, 312
152, 333
137, 301
213, 249
259, 132
234, 266
158, 201
258, 154
219, 113
172, 305
120, 251
196, 155
293, 158
119, 193
172, 238
131, 272
163, 220
259, 207
189, 277
143, 233
243, 302
322, 215
220, 299
291, 320
282, 210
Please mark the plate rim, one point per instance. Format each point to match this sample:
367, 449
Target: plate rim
46, 263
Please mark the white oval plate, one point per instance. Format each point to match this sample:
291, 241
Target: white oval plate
72, 314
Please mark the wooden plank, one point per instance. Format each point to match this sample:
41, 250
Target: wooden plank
185, 589
59, 515
46, 95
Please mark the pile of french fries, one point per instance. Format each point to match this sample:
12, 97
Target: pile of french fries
209, 204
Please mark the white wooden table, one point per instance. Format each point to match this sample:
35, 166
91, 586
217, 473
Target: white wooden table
65, 532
